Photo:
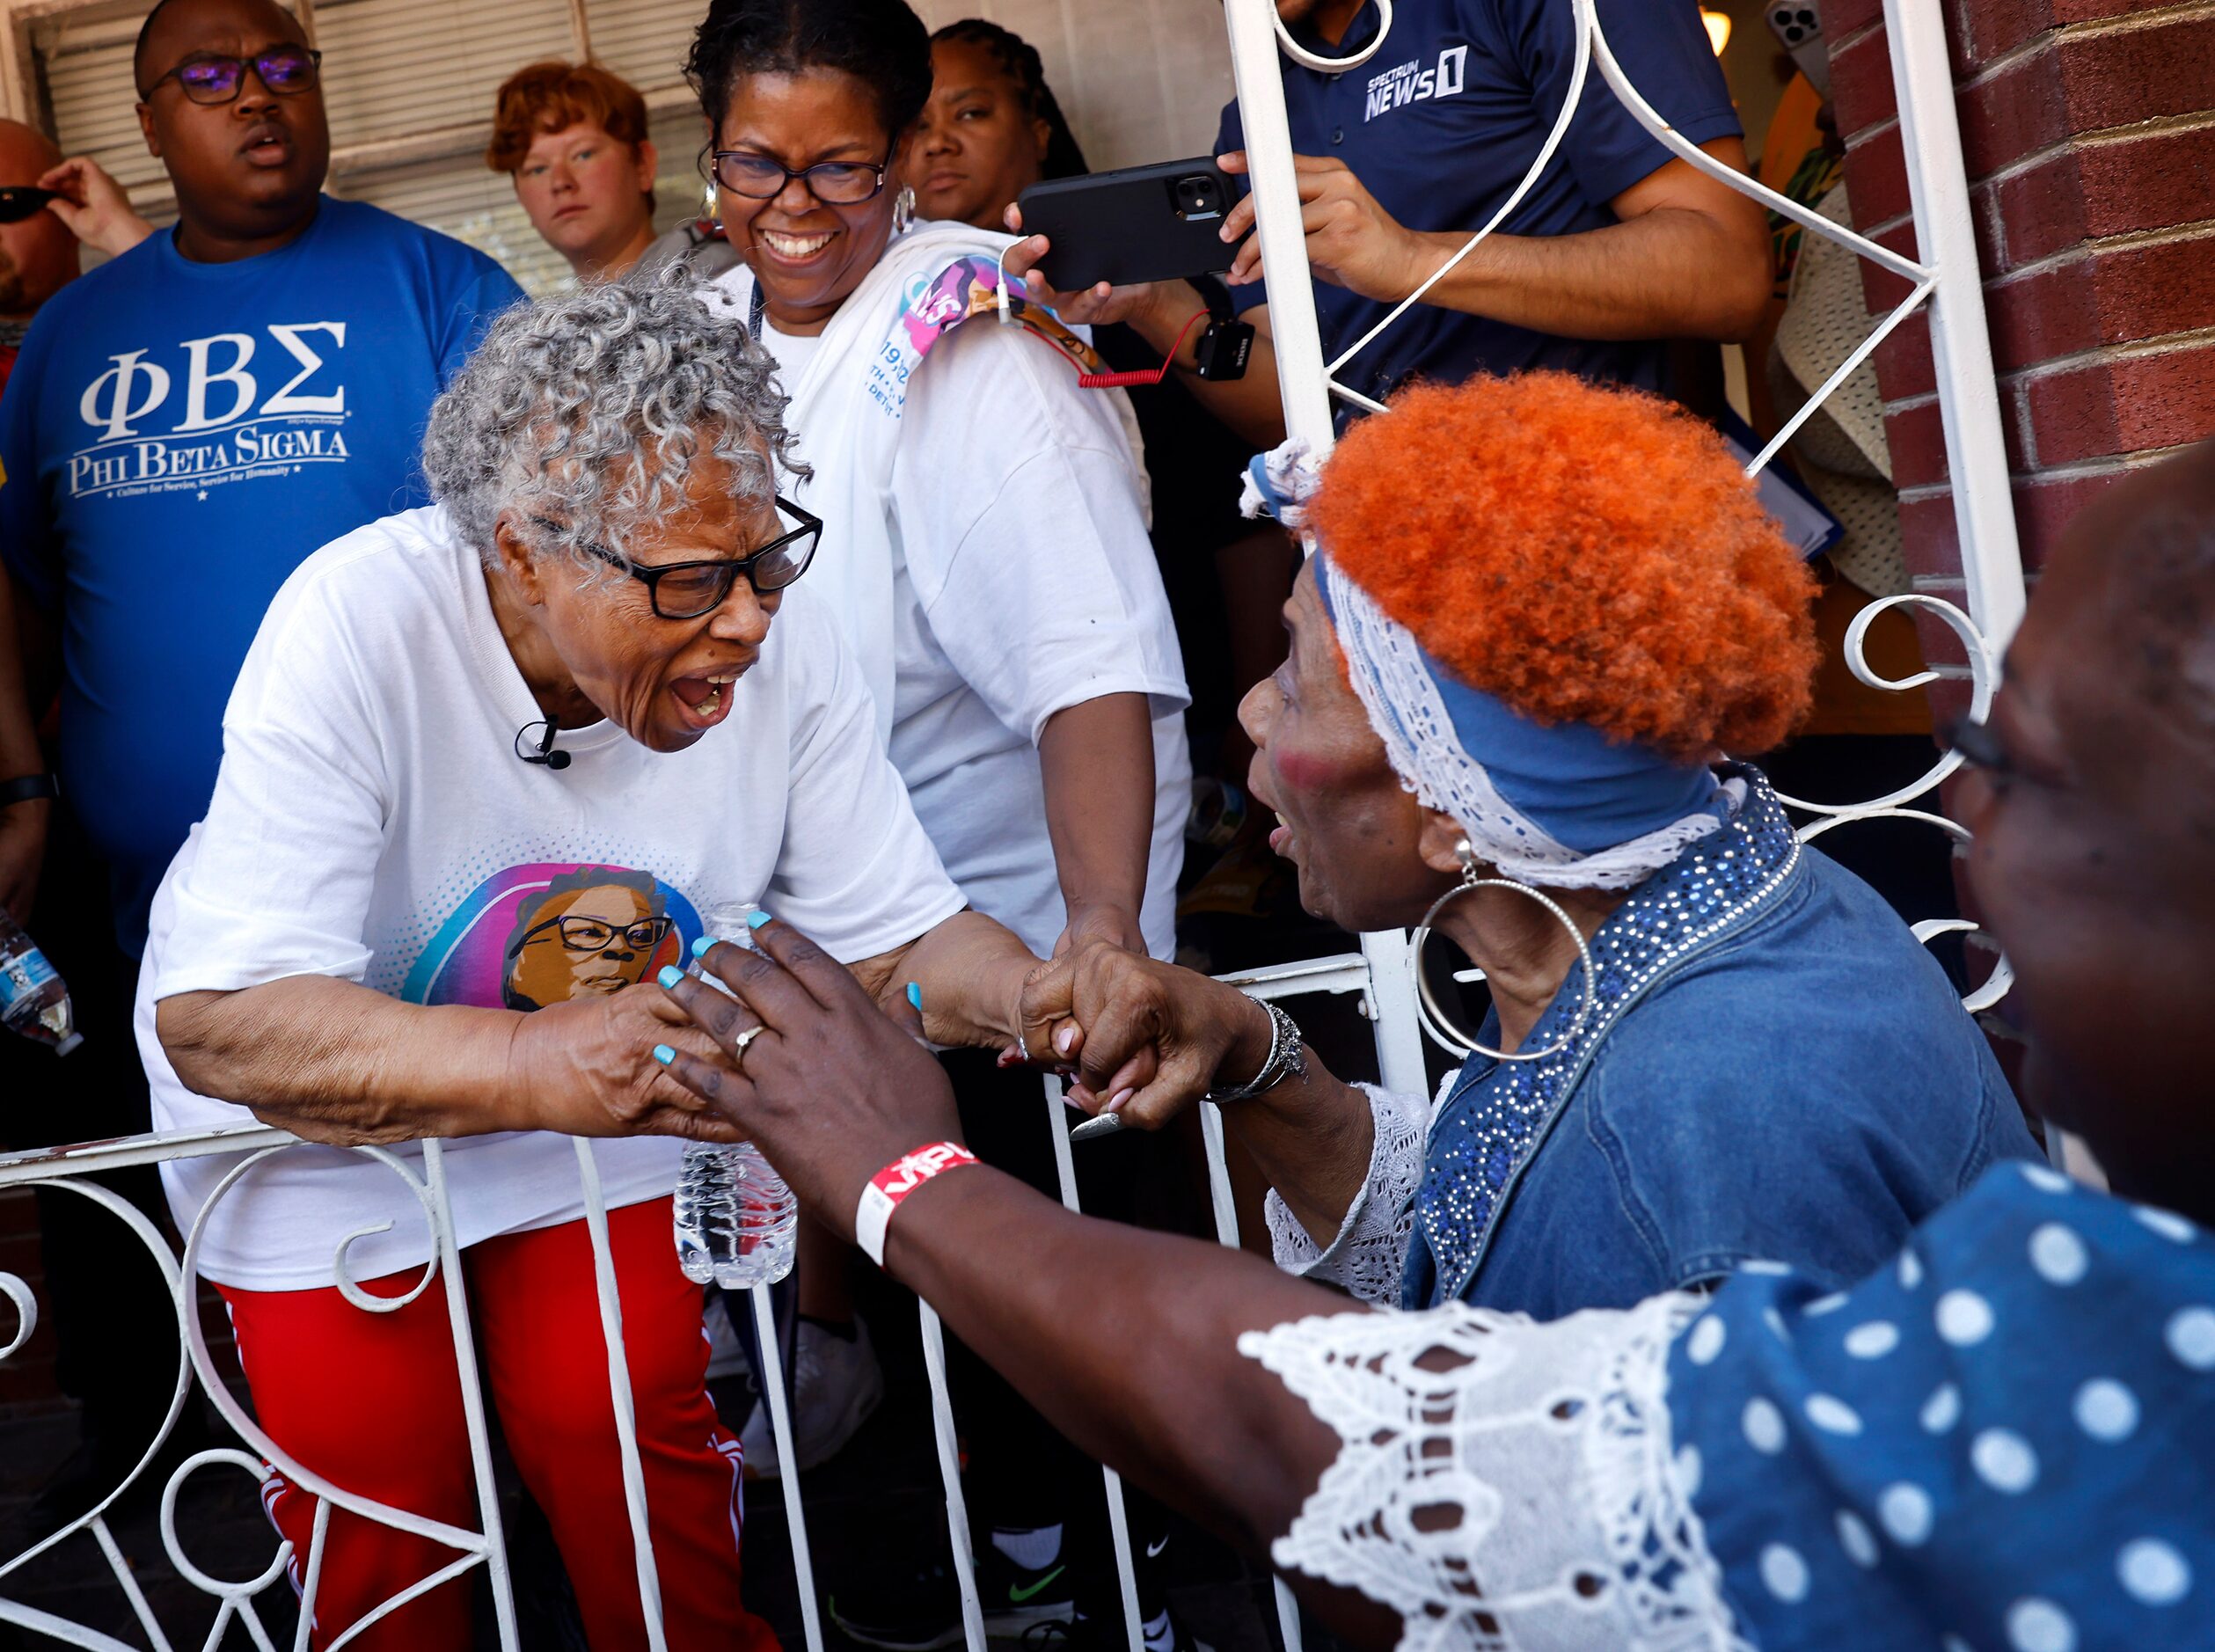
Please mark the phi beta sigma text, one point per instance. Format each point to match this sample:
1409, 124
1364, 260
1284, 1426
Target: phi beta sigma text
202, 418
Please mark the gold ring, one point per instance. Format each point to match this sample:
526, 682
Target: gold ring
738, 1045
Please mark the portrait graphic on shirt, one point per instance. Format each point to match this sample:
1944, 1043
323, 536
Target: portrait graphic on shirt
553, 932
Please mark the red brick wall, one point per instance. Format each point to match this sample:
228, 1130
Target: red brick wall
2089, 131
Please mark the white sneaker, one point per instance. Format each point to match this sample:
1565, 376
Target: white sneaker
834, 1385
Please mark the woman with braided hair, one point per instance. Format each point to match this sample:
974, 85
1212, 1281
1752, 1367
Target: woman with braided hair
992, 128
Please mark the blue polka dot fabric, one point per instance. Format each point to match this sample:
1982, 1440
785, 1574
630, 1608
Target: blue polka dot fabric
2004, 1443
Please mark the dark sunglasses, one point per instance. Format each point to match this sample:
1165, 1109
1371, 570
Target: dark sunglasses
286, 70
18, 201
686, 590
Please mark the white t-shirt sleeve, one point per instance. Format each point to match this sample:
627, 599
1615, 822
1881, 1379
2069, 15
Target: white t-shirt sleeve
1016, 498
857, 874
277, 881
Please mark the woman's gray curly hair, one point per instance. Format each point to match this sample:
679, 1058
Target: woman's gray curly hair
588, 412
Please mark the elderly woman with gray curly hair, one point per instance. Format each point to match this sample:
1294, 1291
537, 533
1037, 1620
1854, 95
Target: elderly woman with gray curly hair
486, 767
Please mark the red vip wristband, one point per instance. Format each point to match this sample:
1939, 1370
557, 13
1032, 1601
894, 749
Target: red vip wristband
894, 1182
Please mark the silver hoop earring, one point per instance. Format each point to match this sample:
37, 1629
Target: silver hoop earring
1433, 1015
904, 210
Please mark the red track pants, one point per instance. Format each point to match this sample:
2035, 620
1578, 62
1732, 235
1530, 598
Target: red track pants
372, 1401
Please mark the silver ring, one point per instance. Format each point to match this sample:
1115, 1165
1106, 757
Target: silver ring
738, 1045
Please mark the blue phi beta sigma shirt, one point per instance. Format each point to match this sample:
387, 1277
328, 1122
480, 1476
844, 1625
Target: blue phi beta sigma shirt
177, 438
1442, 124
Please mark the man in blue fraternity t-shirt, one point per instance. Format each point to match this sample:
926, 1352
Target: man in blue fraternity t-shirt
1617, 247
189, 421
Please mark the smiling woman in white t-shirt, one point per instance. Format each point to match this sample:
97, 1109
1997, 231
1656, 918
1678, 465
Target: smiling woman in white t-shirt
992, 565
400, 920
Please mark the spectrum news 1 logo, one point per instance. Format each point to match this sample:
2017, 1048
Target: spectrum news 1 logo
1412, 82
225, 408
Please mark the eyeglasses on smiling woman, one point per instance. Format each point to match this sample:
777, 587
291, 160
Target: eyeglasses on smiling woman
834, 183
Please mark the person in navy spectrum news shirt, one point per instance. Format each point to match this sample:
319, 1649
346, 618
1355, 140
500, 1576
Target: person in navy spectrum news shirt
189, 421
1619, 246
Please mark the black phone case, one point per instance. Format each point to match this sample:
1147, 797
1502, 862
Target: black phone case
1126, 227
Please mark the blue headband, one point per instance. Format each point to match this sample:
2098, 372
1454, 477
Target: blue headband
1563, 805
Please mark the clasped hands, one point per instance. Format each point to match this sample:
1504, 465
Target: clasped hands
833, 1089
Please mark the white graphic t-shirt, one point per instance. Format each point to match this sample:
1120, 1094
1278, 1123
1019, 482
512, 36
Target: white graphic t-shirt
371, 822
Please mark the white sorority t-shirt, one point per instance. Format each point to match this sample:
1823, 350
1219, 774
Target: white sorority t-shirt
371, 822
1024, 583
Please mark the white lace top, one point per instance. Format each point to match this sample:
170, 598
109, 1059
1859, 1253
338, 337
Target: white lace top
1370, 1252
1523, 1498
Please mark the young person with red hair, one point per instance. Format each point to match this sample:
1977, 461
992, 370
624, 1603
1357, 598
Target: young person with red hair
1538, 614
572, 136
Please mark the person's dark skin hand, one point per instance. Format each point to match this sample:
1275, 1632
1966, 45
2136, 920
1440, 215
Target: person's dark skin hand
589, 1065
1107, 923
1147, 1038
1352, 241
832, 1092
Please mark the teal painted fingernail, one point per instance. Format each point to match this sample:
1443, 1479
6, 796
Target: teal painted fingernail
915, 996
670, 976
756, 919
663, 1054
700, 947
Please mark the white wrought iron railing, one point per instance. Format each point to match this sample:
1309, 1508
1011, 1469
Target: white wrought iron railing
1944, 279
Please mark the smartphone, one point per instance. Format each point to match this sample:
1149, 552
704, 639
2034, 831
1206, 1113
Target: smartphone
1798, 27
1142, 223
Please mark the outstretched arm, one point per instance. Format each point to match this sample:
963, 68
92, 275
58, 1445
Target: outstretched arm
1146, 1378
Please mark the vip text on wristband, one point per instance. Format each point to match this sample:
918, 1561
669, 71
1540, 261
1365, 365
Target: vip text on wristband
894, 1182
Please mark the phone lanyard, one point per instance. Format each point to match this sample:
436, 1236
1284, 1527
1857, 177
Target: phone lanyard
758, 308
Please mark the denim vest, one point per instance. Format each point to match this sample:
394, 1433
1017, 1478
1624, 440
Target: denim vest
1774, 1068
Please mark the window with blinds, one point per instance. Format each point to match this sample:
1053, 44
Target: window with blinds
409, 85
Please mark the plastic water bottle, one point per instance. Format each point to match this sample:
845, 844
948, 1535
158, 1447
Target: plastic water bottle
736, 1220
34, 1000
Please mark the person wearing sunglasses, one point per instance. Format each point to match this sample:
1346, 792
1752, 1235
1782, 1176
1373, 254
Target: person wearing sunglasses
47, 207
487, 763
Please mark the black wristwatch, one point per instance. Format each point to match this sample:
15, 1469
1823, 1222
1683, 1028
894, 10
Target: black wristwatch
28, 788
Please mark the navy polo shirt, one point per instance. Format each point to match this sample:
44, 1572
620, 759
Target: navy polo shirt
1441, 125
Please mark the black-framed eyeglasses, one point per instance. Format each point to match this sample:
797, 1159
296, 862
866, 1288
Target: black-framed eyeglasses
686, 590
591, 935
286, 70
18, 201
834, 183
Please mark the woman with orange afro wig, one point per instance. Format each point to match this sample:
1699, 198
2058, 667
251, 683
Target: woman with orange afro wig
1538, 614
